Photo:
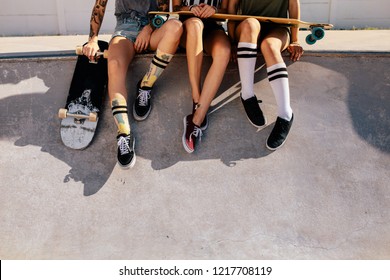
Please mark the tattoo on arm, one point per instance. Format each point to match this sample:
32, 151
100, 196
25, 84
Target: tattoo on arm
97, 17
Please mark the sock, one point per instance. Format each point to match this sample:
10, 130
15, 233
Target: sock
278, 78
119, 111
159, 63
246, 58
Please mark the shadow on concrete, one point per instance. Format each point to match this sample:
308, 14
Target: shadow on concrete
33, 91
229, 136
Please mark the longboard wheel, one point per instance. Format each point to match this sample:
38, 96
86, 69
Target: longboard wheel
318, 33
62, 113
158, 21
92, 117
310, 40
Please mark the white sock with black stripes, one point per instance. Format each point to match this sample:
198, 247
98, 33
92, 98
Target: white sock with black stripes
278, 78
246, 58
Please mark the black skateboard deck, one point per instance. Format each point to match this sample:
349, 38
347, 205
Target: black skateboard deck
84, 102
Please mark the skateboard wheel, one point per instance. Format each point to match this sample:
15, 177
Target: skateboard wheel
310, 40
62, 113
317, 33
92, 117
158, 21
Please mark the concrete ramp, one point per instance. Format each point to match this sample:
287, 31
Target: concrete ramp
324, 195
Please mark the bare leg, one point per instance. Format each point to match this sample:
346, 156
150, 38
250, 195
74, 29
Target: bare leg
273, 45
192, 41
121, 54
217, 45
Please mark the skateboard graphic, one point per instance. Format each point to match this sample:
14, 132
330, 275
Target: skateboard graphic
157, 19
85, 98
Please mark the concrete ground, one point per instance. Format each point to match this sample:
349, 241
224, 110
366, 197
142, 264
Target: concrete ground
324, 195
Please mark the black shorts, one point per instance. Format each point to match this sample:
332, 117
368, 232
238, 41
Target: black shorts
210, 26
266, 29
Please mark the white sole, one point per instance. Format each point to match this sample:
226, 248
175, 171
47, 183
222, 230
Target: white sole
183, 139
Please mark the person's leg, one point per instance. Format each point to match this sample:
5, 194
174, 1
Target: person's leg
193, 43
217, 44
272, 46
121, 53
164, 41
248, 32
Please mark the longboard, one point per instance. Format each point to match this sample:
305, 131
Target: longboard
84, 101
317, 29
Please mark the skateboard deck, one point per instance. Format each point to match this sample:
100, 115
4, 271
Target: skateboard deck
317, 29
84, 102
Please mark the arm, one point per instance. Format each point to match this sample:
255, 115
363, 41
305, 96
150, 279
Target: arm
142, 41
294, 48
98, 11
295, 13
231, 26
202, 10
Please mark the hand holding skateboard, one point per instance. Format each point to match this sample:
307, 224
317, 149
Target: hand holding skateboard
92, 52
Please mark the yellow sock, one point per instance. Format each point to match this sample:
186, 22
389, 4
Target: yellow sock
119, 111
159, 63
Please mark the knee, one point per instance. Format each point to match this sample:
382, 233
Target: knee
222, 51
115, 67
194, 26
173, 28
250, 27
269, 46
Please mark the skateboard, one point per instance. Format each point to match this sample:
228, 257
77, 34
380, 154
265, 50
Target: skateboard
85, 98
317, 29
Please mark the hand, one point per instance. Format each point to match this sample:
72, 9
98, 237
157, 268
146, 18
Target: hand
203, 10
141, 44
295, 50
90, 50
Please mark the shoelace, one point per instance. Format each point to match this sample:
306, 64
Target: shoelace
123, 145
197, 132
143, 96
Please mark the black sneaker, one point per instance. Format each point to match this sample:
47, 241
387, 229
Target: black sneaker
142, 105
126, 153
191, 134
205, 122
279, 133
253, 112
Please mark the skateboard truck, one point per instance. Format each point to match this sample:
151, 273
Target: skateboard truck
79, 51
79, 118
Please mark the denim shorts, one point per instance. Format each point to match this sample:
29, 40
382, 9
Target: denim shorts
128, 28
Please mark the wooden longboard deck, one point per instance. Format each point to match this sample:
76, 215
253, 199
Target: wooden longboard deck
284, 21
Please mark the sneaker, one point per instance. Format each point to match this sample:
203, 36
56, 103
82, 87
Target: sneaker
253, 112
191, 134
142, 105
126, 153
279, 133
205, 122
